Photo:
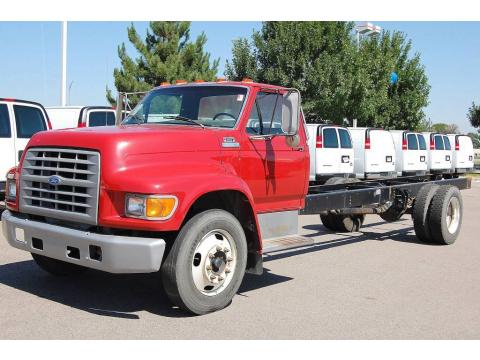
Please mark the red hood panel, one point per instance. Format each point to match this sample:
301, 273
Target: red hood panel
133, 139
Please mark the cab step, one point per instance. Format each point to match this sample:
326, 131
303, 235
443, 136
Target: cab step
284, 243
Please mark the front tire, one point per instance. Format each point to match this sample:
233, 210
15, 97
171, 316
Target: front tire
207, 262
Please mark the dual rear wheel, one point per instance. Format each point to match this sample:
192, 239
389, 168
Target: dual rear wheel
437, 214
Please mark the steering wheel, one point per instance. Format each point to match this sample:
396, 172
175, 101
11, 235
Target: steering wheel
223, 113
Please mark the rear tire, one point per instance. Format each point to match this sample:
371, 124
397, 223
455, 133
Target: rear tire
445, 215
421, 210
57, 267
195, 278
328, 221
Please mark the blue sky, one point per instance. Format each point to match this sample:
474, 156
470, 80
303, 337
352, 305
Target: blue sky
30, 59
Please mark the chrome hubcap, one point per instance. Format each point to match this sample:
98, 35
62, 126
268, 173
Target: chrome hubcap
453, 215
213, 262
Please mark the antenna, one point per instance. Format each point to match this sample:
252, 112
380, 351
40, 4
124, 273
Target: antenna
63, 90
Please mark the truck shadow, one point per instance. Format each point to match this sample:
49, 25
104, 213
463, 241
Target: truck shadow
111, 295
122, 296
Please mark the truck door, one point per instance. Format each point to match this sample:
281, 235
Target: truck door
346, 152
7, 159
275, 172
29, 119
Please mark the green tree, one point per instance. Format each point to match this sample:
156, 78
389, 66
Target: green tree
475, 139
336, 79
310, 56
443, 128
166, 55
474, 115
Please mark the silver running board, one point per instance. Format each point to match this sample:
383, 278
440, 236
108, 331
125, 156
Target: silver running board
284, 243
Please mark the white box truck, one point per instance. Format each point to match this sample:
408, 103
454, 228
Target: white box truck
374, 153
19, 120
463, 155
331, 152
439, 153
64, 117
411, 153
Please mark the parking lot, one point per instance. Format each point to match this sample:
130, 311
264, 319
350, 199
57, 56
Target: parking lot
377, 284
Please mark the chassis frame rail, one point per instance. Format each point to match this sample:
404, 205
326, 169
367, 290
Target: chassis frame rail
370, 194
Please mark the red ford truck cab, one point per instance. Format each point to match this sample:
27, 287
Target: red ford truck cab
189, 184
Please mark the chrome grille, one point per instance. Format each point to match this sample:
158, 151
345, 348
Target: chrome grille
60, 183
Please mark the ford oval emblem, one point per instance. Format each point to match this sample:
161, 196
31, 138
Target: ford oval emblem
54, 180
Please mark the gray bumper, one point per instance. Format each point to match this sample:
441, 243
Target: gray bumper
120, 254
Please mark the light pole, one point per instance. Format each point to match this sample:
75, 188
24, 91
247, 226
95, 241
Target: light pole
366, 29
63, 89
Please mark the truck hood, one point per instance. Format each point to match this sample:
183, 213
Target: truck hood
125, 140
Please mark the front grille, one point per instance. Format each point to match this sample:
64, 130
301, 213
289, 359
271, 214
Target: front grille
60, 183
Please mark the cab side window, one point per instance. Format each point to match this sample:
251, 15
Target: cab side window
266, 115
330, 139
5, 131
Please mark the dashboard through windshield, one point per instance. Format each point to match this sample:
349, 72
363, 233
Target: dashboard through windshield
215, 106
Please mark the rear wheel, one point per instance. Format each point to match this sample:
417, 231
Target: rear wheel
207, 262
445, 215
420, 211
57, 267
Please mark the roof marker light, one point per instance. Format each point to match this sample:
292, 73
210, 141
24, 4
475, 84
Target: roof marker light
247, 80
180, 82
164, 83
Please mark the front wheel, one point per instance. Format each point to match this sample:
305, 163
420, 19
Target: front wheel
207, 262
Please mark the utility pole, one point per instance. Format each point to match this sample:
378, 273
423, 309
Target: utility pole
63, 90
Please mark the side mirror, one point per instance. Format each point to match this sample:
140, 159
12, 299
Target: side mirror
291, 112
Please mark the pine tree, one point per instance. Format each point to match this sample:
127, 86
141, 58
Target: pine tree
166, 55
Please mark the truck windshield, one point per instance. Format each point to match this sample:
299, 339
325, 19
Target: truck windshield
216, 106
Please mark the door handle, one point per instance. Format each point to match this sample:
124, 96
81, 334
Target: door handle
301, 148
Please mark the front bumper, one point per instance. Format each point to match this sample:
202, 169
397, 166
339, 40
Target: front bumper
119, 254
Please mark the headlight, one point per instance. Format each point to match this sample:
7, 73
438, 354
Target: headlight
150, 207
11, 188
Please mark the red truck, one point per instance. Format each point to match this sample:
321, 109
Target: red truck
198, 182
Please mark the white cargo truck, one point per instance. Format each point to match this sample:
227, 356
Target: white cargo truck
374, 153
64, 117
411, 153
19, 120
463, 155
331, 152
439, 153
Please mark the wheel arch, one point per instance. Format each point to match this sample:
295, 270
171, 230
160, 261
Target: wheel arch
240, 205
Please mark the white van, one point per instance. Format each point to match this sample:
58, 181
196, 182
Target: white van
374, 153
439, 153
463, 155
331, 152
411, 153
19, 120
80, 116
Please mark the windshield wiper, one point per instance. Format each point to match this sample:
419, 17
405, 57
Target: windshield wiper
183, 118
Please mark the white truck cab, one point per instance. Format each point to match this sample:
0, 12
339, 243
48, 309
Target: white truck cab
411, 153
463, 155
439, 153
80, 116
374, 153
331, 152
19, 120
